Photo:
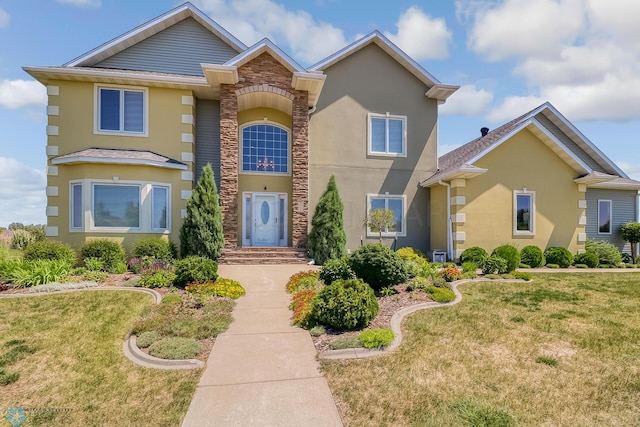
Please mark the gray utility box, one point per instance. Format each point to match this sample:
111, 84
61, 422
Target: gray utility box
438, 255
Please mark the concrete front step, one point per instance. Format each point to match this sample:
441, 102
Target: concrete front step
268, 255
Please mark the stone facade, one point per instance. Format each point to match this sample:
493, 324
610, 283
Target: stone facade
267, 74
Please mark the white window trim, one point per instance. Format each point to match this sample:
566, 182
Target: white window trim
610, 217
289, 149
96, 110
386, 153
402, 197
532, 217
145, 210
71, 206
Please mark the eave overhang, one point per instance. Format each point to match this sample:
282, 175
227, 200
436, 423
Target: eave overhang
119, 157
463, 172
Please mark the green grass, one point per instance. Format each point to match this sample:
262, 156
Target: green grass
78, 363
561, 350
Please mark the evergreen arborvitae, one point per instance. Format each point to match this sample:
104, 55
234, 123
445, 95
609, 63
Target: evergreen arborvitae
201, 232
327, 239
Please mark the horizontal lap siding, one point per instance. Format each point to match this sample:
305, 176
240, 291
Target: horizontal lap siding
208, 137
180, 49
623, 210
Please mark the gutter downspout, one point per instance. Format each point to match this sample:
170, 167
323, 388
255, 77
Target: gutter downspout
449, 225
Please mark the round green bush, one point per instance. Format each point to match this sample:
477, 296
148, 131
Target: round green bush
174, 348
378, 266
154, 247
195, 269
510, 254
494, 265
474, 254
50, 250
589, 259
345, 305
336, 269
110, 252
532, 256
559, 256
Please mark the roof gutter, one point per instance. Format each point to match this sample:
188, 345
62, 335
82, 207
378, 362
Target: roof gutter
449, 225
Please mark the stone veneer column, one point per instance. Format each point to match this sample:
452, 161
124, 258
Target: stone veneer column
300, 170
229, 164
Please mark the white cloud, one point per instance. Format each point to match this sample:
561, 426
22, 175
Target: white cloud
5, 19
83, 3
514, 106
468, 100
22, 93
421, 36
22, 193
633, 170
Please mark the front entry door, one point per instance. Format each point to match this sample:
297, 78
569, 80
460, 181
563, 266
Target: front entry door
265, 220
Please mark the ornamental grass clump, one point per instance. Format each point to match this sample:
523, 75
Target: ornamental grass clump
608, 254
345, 305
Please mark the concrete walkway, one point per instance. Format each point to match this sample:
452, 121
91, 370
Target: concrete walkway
262, 371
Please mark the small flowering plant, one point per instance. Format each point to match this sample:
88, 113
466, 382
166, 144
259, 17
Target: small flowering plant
450, 274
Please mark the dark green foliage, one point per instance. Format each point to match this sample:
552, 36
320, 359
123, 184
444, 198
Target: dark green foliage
630, 232
590, 259
474, 254
336, 269
469, 266
345, 305
195, 269
378, 266
111, 253
532, 256
50, 250
327, 239
201, 232
495, 265
560, 256
154, 247
510, 254
607, 253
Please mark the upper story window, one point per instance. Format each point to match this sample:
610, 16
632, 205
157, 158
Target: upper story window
265, 149
387, 135
524, 204
121, 110
604, 216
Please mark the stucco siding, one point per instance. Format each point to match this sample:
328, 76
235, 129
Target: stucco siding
623, 207
522, 162
438, 214
208, 137
180, 49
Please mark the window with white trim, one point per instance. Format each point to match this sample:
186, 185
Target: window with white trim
121, 110
524, 205
122, 206
395, 203
604, 216
387, 135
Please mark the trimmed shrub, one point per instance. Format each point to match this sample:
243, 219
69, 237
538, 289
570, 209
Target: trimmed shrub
495, 265
607, 252
377, 338
345, 305
301, 306
336, 269
171, 299
155, 247
50, 250
174, 348
327, 239
474, 254
590, 259
303, 280
440, 294
21, 239
195, 269
156, 279
451, 274
581, 266
412, 254
221, 287
510, 254
110, 252
378, 266
560, 256
532, 256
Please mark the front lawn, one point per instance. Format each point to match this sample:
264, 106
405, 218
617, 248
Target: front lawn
561, 350
75, 373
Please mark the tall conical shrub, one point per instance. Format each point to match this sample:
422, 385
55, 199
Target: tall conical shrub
201, 232
327, 239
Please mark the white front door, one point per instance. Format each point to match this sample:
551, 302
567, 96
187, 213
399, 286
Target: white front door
265, 220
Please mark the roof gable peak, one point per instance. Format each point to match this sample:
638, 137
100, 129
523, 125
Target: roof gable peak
266, 46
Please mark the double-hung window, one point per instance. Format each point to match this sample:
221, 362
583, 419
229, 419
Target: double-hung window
394, 203
524, 203
387, 135
121, 110
604, 216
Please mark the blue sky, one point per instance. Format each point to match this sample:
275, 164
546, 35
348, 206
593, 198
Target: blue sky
508, 56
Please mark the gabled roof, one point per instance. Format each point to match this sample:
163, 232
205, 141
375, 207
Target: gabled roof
151, 28
437, 90
266, 45
457, 162
119, 156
